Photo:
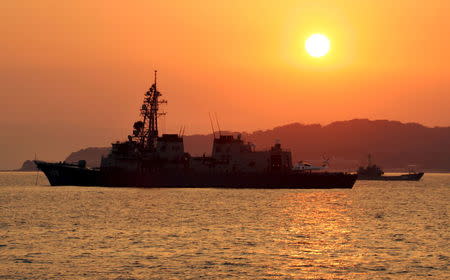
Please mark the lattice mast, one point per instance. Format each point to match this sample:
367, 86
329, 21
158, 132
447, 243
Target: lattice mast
146, 131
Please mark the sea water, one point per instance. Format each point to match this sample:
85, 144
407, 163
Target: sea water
377, 230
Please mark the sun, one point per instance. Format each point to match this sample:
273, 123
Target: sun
317, 45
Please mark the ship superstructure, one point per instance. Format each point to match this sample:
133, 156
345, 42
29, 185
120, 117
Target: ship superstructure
147, 152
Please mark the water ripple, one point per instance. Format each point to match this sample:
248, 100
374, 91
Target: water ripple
378, 230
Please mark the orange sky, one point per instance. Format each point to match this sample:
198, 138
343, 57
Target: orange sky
73, 74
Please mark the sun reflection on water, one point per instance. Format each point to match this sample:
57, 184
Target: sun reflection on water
316, 235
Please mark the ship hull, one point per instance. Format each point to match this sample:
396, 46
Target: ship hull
233, 180
60, 175
403, 177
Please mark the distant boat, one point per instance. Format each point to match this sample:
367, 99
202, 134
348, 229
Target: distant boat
374, 172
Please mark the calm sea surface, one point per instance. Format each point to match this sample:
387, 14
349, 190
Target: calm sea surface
377, 230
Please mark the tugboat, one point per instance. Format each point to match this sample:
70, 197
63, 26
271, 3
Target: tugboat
374, 172
147, 159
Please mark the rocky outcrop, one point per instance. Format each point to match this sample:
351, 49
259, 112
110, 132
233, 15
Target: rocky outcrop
28, 165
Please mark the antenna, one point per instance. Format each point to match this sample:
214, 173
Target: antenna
212, 126
326, 160
164, 122
182, 132
218, 126
37, 171
156, 71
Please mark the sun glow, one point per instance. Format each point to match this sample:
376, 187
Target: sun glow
317, 45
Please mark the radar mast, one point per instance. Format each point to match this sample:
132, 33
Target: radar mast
145, 131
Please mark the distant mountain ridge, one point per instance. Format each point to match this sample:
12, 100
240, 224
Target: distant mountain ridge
394, 145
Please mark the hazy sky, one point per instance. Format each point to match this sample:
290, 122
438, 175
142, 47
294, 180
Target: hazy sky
73, 73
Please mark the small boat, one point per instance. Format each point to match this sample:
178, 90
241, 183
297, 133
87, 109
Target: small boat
374, 172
